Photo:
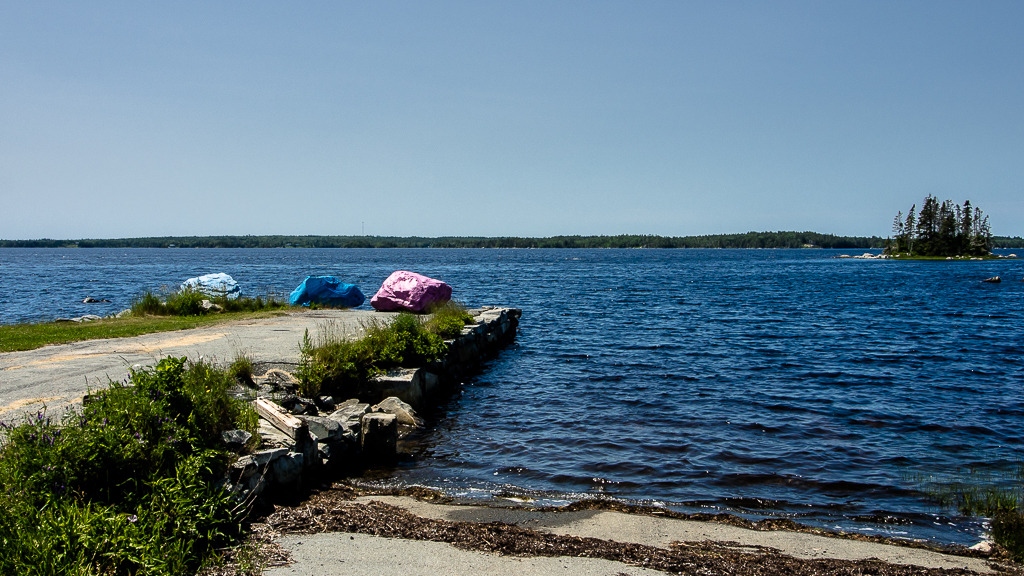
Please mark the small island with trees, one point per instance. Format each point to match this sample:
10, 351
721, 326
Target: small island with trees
940, 230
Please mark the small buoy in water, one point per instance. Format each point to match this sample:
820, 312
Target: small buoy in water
993, 280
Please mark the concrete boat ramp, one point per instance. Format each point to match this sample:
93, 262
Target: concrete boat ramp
59, 376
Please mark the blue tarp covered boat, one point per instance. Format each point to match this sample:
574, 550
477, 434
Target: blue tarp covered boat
326, 291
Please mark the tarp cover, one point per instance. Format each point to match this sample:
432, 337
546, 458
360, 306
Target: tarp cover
405, 290
327, 291
216, 285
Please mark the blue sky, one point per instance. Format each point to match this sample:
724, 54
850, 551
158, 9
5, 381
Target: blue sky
122, 119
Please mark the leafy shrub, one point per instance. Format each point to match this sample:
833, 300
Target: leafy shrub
332, 364
148, 304
404, 342
128, 485
448, 320
186, 302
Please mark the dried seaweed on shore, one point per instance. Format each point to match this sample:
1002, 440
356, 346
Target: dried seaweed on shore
331, 511
770, 524
766, 524
257, 552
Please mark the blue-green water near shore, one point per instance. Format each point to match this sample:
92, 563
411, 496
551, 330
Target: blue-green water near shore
763, 382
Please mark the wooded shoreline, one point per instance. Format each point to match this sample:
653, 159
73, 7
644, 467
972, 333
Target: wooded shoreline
745, 240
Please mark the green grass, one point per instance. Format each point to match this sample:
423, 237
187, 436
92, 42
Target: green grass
189, 302
999, 497
331, 364
16, 337
448, 319
241, 369
128, 486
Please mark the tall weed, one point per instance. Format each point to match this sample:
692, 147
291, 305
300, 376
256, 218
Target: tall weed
188, 301
127, 486
448, 319
330, 363
1000, 497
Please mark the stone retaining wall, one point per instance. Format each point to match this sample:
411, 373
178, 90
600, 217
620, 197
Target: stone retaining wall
494, 329
356, 431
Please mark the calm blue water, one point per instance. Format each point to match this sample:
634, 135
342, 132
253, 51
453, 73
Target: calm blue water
766, 383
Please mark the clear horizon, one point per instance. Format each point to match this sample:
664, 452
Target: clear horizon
179, 236
126, 120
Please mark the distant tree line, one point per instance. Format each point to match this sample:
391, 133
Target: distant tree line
941, 229
747, 240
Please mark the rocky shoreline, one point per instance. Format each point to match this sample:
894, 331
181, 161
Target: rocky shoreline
303, 438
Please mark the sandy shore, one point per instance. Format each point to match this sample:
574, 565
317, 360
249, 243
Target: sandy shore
337, 531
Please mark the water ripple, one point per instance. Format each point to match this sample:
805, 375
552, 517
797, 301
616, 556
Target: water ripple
781, 383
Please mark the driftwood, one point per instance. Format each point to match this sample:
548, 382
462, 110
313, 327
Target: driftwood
280, 418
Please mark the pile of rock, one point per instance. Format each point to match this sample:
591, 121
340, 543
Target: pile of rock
294, 445
302, 435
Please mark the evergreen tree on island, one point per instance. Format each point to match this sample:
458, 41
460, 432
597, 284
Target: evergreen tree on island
940, 230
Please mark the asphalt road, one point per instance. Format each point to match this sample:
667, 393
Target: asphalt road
58, 376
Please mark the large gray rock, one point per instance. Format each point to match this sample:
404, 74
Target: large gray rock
272, 437
399, 382
247, 477
309, 448
379, 436
325, 403
403, 412
80, 319
288, 468
235, 439
264, 457
322, 428
349, 413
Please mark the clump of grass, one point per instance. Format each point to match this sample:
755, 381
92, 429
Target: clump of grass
1000, 497
184, 302
127, 486
241, 369
250, 304
328, 364
448, 319
148, 304
188, 301
1008, 532
406, 341
331, 364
